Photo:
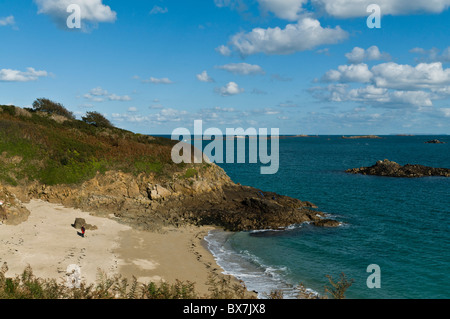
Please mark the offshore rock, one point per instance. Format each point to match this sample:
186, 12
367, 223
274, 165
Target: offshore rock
434, 142
393, 169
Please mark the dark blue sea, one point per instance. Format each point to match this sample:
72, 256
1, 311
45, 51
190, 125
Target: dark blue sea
399, 224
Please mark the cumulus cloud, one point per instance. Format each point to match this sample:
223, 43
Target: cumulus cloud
92, 11
306, 34
358, 55
349, 73
404, 76
386, 84
9, 75
242, 68
231, 88
357, 8
204, 77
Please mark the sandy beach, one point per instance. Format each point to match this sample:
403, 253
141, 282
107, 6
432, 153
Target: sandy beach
49, 244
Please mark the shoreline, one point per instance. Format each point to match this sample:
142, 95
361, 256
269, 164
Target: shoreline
49, 244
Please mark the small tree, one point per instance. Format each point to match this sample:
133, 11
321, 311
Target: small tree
96, 119
48, 106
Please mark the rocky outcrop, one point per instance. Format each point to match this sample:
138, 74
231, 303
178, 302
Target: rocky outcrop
207, 198
393, 169
435, 142
12, 211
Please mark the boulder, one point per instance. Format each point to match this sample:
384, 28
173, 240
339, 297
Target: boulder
80, 222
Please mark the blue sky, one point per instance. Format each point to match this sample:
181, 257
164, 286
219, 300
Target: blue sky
303, 66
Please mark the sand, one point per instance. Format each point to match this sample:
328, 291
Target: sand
49, 244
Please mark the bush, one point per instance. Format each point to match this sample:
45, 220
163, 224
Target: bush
96, 119
50, 107
10, 109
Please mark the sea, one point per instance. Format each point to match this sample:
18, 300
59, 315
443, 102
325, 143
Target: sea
394, 237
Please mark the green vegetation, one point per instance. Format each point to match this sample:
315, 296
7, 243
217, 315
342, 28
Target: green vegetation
37, 146
28, 286
190, 172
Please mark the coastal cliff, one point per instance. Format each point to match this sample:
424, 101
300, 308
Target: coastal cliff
130, 177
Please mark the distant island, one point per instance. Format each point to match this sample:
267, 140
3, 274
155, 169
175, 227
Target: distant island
393, 169
360, 136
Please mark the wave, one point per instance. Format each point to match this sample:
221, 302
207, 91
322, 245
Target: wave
243, 265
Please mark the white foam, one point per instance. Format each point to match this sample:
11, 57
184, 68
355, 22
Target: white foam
247, 267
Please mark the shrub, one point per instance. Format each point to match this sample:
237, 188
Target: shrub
10, 109
96, 119
50, 107
338, 289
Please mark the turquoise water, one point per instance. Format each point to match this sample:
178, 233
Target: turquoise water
399, 224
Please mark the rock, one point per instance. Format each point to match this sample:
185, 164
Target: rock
12, 211
158, 192
80, 222
393, 169
327, 223
209, 198
434, 142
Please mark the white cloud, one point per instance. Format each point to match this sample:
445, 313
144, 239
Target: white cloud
433, 54
7, 21
99, 94
158, 81
349, 73
284, 9
357, 8
306, 34
372, 95
115, 97
231, 88
358, 55
204, 77
92, 11
9, 75
404, 76
158, 9
242, 68
224, 50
